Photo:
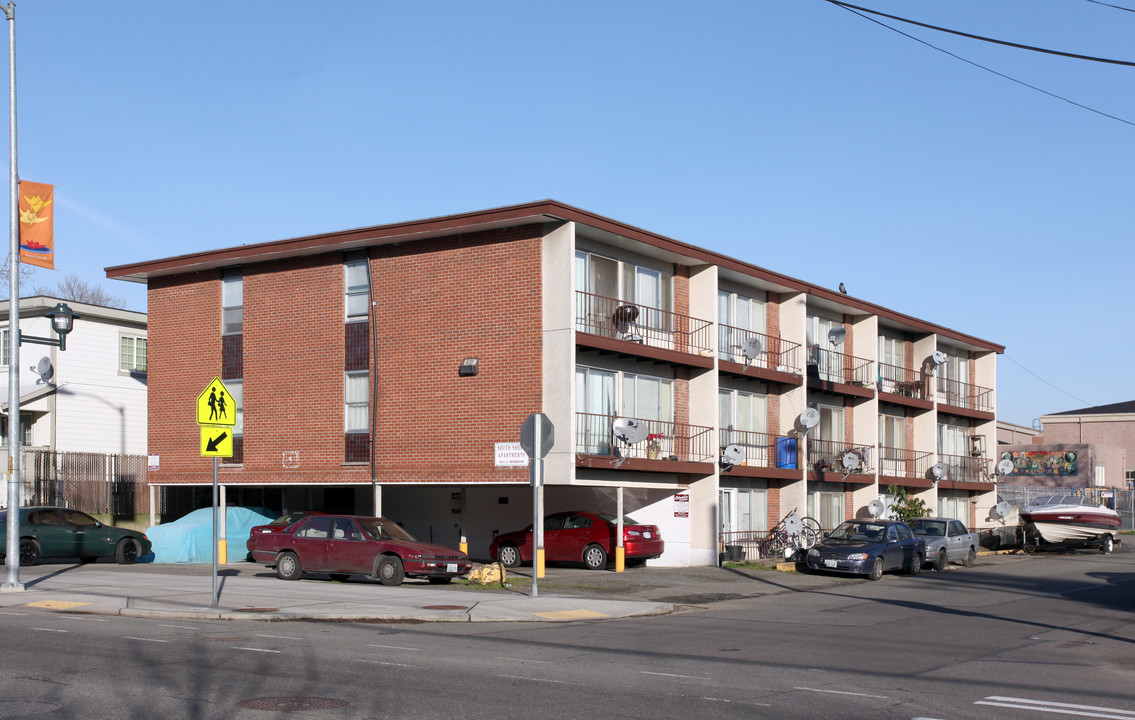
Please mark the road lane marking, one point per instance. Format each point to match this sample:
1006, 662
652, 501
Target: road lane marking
842, 692
180, 627
142, 639
278, 637
394, 647
11, 613
1057, 707
689, 677
532, 679
277, 652
510, 659
82, 617
389, 664
52, 630
740, 702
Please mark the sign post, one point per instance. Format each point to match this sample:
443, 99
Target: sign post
216, 414
537, 435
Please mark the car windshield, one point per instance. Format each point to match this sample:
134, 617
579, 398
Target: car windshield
859, 531
930, 528
383, 529
289, 518
611, 518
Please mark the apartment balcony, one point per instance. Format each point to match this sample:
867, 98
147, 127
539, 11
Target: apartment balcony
779, 360
965, 399
963, 471
840, 373
765, 455
904, 386
670, 447
640, 330
905, 467
827, 456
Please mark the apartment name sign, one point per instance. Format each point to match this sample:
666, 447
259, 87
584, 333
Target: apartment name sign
509, 454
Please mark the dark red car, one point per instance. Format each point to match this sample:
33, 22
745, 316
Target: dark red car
587, 537
279, 524
344, 545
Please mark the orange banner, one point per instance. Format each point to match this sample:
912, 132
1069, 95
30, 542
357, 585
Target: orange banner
37, 214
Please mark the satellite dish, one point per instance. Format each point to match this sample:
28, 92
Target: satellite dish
876, 508
1005, 467
938, 471
44, 369
751, 349
938, 358
793, 525
837, 335
629, 431
850, 460
732, 455
808, 419
1001, 510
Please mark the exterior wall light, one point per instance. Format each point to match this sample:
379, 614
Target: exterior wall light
468, 368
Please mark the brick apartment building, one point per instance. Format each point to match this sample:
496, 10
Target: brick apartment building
345, 354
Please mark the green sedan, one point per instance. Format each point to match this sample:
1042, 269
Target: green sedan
54, 532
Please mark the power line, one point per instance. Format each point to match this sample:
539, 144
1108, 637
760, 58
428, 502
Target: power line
850, 9
1038, 377
982, 38
1117, 7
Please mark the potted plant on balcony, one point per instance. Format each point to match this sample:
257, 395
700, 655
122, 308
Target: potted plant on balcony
653, 445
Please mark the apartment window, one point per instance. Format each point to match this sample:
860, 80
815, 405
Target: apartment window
356, 385
831, 424
25, 428
648, 398
953, 504
132, 354
822, 353
5, 347
892, 444
232, 304
624, 281
601, 393
740, 410
738, 316
356, 282
892, 350
825, 503
236, 397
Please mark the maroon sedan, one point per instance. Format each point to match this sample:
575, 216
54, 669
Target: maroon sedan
344, 545
587, 537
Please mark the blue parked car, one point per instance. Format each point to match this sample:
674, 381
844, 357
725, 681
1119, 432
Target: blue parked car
869, 547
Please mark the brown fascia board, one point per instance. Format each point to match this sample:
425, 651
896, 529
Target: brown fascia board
508, 216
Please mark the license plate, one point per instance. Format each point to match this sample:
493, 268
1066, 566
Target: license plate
830, 563
451, 567
646, 534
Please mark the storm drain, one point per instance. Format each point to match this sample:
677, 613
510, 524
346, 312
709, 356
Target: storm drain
292, 704
19, 708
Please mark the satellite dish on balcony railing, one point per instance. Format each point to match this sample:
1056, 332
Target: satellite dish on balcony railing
730, 456
808, 419
1005, 467
837, 335
623, 320
850, 461
629, 431
751, 350
938, 358
938, 471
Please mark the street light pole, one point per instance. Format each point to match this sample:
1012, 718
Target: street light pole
12, 559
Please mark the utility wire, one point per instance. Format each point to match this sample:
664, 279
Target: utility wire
982, 38
1117, 7
854, 11
1038, 377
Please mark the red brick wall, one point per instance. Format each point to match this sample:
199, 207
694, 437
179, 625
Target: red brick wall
438, 301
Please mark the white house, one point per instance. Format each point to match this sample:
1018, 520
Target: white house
94, 399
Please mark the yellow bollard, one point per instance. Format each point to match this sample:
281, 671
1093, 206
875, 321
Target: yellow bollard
463, 547
222, 552
539, 562
620, 559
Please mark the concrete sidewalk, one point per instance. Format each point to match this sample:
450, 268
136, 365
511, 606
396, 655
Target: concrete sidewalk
147, 591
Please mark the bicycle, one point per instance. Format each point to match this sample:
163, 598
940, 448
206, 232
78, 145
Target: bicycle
792, 532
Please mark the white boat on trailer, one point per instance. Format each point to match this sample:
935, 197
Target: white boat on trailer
1069, 520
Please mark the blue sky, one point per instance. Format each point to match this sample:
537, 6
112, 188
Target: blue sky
787, 133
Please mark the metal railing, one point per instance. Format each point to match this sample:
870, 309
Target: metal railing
903, 463
902, 381
665, 440
966, 468
964, 395
839, 367
827, 456
762, 449
612, 318
749, 541
776, 353
96, 483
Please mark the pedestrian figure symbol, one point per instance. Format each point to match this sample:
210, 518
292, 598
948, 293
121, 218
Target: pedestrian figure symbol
215, 405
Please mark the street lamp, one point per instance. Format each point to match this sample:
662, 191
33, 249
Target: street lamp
62, 322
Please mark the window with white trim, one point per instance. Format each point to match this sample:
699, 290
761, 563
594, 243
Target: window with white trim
356, 283
132, 351
356, 401
232, 304
5, 346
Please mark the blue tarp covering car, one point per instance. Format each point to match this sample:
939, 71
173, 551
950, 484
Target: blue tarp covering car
190, 539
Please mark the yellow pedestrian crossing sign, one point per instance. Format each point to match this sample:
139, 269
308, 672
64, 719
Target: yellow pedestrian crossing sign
216, 442
215, 406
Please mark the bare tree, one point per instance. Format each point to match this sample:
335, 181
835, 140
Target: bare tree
26, 272
73, 287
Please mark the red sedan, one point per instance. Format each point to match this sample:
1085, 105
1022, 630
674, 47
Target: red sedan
587, 537
344, 545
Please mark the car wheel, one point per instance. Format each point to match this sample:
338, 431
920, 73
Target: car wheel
389, 570
338, 577
288, 566
915, 565
595, 557
940, 561
29, 553
438, 580
876, 569
509, 555
971, 557
1107, 544
88, 559
126, 552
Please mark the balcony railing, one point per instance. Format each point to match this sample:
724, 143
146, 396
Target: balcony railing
903, 463
643, 324
666, 440
776, 353
902, 381
827, 456
762, 449
839, 367
966, 468
964, 395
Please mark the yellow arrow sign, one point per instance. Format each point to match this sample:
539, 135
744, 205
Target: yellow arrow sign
216, 442
215, 406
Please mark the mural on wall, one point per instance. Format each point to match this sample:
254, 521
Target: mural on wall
1042, 462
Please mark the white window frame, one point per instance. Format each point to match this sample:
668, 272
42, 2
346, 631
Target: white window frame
5, 347
361, 420
132, 368
356, 290
232, 304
